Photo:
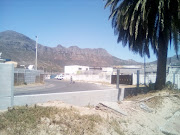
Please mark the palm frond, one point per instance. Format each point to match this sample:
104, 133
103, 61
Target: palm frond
138, 23
108, 3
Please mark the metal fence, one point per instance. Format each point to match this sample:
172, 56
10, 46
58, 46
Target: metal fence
25, 76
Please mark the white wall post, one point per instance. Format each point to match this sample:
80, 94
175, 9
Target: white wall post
137, 78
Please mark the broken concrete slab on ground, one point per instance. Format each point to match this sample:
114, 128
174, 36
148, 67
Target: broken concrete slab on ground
111, 106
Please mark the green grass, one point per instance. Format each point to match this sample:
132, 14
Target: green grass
28, 120
19, 120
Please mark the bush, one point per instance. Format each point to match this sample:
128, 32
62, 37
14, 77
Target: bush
151, 86
170, 86
25, 83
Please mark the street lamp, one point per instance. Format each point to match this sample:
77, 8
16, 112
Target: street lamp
36, 53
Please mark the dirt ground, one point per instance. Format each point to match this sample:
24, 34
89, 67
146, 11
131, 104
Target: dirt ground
146, 114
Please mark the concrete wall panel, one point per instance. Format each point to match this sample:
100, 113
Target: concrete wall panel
6, 84
81, 98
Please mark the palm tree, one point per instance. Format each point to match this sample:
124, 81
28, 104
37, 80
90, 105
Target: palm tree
144, 23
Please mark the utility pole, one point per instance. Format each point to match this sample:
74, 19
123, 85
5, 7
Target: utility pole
144, 70
36, 53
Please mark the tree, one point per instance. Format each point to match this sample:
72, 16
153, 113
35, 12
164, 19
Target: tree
144, 23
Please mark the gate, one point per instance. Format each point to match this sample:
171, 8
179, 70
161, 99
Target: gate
123, 79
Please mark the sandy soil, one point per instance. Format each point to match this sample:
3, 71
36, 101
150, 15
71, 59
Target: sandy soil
146, 114
162, 106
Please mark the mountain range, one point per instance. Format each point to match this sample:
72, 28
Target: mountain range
170, 61
20, 48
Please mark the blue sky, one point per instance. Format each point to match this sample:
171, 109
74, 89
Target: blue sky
82, 23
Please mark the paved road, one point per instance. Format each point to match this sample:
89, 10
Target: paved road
57, 86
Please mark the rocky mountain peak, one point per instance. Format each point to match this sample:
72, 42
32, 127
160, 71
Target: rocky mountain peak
20, 48
60, 46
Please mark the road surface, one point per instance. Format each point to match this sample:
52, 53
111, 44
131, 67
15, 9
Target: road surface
57, 86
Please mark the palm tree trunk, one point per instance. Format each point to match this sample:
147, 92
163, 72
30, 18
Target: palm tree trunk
161, 64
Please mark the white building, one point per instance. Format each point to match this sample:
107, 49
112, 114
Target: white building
31, 67
107, 69
75, 69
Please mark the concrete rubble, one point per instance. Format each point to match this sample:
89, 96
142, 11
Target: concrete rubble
157, 114
113, 106
145, 107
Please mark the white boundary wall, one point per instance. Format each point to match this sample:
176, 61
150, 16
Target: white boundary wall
90, 78
81, 98
170, 77
152, 78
